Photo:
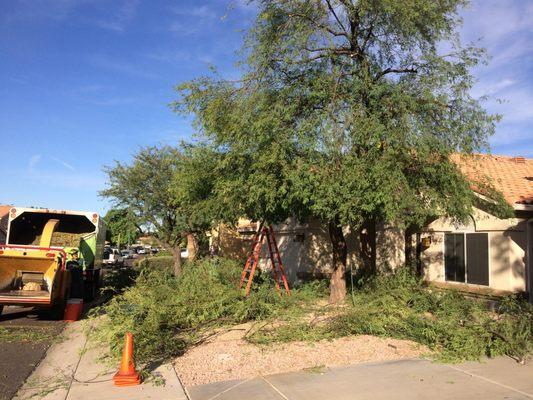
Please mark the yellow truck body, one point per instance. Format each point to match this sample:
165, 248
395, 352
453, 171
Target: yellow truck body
34, 269
21, 266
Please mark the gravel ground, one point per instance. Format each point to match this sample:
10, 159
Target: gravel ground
228, 356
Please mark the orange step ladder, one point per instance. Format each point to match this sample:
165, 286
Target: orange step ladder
280, 279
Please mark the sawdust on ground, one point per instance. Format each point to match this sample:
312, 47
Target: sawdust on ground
229, 356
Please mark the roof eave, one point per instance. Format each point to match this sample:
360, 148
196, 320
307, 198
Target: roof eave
523, 207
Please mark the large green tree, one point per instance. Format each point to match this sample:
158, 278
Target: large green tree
121, 226
166, 191
347, 111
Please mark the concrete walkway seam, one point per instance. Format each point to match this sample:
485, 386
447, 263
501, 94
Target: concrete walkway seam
275, 388
181, 383
491, 381
77, 364
230, 388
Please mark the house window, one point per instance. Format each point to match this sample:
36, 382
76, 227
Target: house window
466, 257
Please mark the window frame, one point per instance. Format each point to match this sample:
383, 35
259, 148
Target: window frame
465, 252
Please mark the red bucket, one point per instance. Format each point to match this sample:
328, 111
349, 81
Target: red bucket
73, 310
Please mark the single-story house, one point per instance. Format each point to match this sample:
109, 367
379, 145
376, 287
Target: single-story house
487, 254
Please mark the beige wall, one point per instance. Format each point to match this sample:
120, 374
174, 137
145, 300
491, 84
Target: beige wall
507, 249
311, 257
301, 258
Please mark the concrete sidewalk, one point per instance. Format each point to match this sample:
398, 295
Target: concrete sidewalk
70, 372
500, 378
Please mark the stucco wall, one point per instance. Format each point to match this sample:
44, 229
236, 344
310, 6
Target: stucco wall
507, 249
305, 248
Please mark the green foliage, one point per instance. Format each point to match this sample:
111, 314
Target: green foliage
168, 314
144, 189
15, 334
121, 226
163, 263
167, 191
399, 306
346, 111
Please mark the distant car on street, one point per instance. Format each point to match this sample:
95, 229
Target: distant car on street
127, 254
141, 251
112, 257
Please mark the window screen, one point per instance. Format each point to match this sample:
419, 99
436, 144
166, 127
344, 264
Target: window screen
454, 259
477, 258
471, 262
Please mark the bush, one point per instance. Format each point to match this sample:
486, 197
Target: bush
162, 263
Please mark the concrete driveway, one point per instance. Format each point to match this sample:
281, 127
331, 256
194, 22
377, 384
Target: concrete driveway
500, 378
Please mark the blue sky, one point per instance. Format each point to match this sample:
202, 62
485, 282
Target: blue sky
84, 82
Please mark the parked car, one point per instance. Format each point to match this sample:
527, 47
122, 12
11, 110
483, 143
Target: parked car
113, 257
141, 250
127, 254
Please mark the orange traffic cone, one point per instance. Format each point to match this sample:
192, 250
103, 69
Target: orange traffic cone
126, 375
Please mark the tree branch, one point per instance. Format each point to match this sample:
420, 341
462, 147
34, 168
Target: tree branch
319, 25
410, 70
332, 10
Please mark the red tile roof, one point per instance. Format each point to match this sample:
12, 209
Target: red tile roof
513, 176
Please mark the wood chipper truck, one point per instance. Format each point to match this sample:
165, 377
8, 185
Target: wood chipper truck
47, 254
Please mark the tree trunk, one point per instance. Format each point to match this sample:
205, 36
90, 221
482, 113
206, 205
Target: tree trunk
337, 284
367, 247
192, 246
176, 267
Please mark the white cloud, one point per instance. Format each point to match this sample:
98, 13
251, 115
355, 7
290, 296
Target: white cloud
505, 29
63, 163
492, 88
121, 17
202, 12
33, 161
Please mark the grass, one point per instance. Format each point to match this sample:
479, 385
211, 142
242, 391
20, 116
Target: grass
168, 315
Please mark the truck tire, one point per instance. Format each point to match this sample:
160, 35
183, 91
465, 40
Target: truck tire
1, 309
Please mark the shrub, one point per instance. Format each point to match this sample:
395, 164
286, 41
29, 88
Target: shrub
154, 263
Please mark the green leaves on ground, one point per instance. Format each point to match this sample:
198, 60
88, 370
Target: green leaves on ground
399, 306
34, 334
169, 314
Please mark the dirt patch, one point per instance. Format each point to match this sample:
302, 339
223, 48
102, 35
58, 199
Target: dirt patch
228, 356
24, 339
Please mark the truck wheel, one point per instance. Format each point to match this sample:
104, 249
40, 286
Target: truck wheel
1, 309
